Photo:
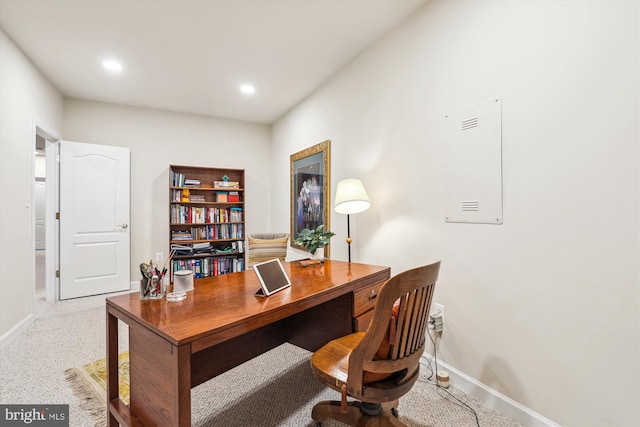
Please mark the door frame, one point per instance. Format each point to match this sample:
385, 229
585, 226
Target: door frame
51, 136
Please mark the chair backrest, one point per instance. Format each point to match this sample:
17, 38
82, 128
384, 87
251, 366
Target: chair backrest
266, 246
414, 290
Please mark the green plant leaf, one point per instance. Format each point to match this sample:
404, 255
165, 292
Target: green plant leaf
313, 239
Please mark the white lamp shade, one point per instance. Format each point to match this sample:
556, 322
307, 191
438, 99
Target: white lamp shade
351, 197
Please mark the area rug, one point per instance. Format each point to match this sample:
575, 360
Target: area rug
89, 383
279, 389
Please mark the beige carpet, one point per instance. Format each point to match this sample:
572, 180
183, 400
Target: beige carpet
279, 389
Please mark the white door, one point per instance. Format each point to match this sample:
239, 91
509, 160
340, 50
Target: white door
94, 219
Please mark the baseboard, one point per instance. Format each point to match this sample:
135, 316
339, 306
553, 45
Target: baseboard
12, 333
492, 398
135, 285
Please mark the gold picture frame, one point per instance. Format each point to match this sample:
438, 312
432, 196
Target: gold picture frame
310, 186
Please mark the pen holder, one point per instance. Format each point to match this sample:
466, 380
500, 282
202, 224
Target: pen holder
152, 287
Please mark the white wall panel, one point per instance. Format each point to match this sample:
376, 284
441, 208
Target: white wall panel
473, 164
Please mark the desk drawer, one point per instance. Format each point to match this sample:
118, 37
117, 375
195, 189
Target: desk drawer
362, 322
365, 299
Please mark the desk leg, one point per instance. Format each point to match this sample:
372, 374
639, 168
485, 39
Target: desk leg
112, 365
160, 379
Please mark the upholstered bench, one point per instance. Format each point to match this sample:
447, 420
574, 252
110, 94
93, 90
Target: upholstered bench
266, 246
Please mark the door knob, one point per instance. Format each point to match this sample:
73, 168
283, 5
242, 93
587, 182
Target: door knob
124, 226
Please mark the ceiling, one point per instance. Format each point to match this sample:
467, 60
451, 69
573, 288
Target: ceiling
192, 55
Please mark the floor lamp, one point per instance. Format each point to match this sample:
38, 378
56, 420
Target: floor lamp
351, 198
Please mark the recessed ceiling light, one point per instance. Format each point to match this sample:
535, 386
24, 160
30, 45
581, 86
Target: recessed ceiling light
112, 65
247, 89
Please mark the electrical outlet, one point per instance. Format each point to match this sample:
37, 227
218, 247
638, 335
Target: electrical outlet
437, 314
437, 309
159, 256
437, 317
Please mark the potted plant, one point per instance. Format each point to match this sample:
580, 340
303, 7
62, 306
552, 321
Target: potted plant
314, 239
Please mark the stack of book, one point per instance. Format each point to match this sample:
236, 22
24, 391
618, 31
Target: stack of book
203, 248
181, 235
196, 198
181, 250
192, 182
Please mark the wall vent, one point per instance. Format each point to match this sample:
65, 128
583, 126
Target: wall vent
470, 123
470, 206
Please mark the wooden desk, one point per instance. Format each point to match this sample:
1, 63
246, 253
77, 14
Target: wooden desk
174, 346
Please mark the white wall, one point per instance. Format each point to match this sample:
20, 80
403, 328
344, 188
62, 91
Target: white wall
158, 139
25, 95
543, 308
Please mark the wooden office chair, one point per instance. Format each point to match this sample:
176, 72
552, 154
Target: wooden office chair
350, 365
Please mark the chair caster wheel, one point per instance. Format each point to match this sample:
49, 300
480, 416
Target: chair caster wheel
394, 412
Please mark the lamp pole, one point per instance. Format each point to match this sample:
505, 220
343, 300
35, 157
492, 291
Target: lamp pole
349, 238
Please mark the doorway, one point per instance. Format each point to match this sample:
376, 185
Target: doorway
40, 205
84, 217
44, 205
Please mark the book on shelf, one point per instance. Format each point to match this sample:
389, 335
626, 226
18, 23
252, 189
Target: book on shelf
235, 214
177, 179
201, 245
181, 235
197, 273
196, 198
203, 248
234, 196
208, 267
181, 249
181, 214
191, 182
222, 196
238, 246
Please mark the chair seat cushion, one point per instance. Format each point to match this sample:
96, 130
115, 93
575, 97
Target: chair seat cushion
385, 347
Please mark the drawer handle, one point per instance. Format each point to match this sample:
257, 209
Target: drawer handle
373, 295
